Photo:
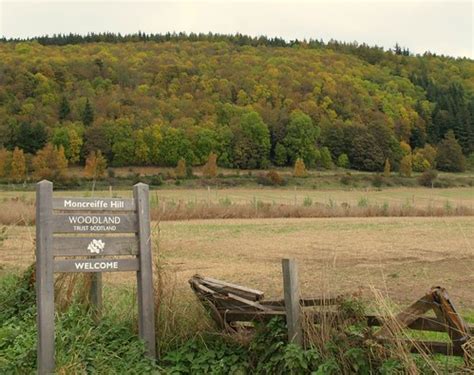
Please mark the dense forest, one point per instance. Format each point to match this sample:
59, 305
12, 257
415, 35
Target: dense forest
255, 102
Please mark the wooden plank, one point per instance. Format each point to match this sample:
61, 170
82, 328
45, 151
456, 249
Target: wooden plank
84, 246
44, 277
146, 303
249, 303
292, 299
407, 316
94, 223
96, 265
237, 288
93, 204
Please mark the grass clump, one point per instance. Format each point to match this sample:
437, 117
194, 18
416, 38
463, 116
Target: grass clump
82, 346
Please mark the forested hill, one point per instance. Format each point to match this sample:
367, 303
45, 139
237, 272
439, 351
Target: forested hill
146, 101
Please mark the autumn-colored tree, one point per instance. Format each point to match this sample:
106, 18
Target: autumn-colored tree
406, 149
96, 164
18, 165
181, 168
406, 166
5, 160
50, 163
300, 168
386, 168
210, 168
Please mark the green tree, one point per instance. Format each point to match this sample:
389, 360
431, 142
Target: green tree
251, 142
64, 108
343, 161
174, 146
88, 114
326, 159
450, 157
281, 156
300, 139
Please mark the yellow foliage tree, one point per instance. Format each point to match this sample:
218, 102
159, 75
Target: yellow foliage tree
300, 168
386, 168
181, 168
5, 157
50, 163
75, 144
95, 165
406, 166
18, 165
210, 168
406, 149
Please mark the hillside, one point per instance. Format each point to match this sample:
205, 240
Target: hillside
146, 102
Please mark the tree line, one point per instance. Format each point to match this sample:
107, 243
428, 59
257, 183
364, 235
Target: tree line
254, 104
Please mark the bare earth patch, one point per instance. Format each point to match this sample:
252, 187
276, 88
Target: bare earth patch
402, 256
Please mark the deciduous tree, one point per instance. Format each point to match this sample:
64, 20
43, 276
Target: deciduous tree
18, 166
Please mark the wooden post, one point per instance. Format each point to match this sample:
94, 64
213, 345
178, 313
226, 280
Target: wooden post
146, 308
292, 301
44, 277
95, 295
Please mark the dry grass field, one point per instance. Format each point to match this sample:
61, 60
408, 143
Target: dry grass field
403, 257
418, 197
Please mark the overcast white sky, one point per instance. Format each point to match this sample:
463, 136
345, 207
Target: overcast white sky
444, 27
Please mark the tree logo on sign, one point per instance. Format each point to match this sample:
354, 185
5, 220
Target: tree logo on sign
96, 246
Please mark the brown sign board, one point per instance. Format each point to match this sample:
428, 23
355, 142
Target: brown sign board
94, 223
93, 204
96, 265
91, 228
93, 246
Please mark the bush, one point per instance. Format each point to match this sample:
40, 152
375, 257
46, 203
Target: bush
377, 181
156, 180
343, 161
427, 178
272, 178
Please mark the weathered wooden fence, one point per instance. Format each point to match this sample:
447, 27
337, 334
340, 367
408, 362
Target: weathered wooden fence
231, 305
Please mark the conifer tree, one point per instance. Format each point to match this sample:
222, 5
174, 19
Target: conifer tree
64, 108
88, 114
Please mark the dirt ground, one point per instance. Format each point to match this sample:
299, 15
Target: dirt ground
402, 257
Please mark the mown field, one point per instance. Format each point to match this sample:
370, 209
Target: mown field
403, 257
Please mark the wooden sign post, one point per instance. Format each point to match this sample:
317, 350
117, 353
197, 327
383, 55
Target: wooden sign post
91, 230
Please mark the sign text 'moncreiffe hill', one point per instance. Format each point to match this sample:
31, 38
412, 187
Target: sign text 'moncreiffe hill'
98, 203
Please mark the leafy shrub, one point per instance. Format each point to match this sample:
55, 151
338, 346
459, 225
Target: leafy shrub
272, 178
427, 178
